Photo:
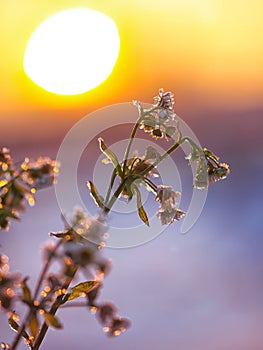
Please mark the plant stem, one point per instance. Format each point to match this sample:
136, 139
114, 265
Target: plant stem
38, 286
113, 177
114, 197
126, 155
160, 159
53, 311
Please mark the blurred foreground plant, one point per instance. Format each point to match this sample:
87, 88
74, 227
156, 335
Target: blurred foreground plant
75, 252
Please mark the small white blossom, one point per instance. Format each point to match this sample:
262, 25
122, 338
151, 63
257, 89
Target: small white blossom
166, 195
93, 229
164, 99
168, 212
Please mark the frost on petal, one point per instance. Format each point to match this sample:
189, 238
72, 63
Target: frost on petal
117, 326
169, 215
164, 100
9, 282
93, 229
166, 194
168, 212
39, 173
218, 173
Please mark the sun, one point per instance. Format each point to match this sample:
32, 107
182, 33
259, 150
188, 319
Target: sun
72, 52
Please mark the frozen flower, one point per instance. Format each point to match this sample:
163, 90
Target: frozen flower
117, 326
218, 173
155, 119
93, 229
80, 253
9, 282
106, 312
40, 173
5, 157
208, 169
164, 100
168, 212
166, 195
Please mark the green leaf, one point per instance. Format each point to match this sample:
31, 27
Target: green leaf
80, 289
26, 292
111, 156
15, 327
33, 324
98, 199
141, 211
52, 321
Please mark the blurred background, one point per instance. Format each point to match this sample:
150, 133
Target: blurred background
202, 290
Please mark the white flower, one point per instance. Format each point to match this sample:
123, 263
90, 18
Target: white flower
168, 212
166, 195
93, 229
164, 99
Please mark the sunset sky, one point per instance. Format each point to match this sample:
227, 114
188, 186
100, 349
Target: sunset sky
199, 291
209, 51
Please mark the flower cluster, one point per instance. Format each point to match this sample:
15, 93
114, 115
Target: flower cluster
168, 212
75, 252
40, 173
156, 119
18, 183
208, 167
75, 256
134, 172
106, 313
9, 283
164, 100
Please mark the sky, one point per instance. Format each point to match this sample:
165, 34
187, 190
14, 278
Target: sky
202, 290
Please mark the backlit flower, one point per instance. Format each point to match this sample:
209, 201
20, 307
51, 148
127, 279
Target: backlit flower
164, 100
167, 212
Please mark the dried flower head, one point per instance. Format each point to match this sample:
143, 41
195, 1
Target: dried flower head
166, 195
94, 229
106, 313
170, 214
117, 326
5, 158
167, 211
39, 173
218, 173
164, 100
9, 282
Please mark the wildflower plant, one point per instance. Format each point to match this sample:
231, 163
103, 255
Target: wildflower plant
73, 264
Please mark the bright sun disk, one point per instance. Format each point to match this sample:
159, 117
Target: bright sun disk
72, 52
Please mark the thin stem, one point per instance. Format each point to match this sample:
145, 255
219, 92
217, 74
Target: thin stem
113, 177
38, 286
114, 197
161, 158
150, 184
126, 155
142, 114
45, 269
53, 311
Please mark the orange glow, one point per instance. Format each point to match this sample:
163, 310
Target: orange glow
210, 49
